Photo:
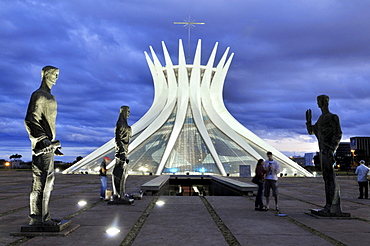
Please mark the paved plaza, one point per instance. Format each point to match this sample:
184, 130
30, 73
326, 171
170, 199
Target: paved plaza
184, 220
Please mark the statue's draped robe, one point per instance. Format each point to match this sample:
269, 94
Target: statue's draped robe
122, 139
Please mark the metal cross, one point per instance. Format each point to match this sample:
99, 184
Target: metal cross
188, 23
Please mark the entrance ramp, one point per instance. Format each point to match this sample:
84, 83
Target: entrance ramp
209, 185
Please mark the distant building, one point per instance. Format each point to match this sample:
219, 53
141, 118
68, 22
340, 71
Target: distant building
18, 164
299, 160
304, 161
343, 156
308, 159
361, 145
344, 149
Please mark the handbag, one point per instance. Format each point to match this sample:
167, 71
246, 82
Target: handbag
255, 180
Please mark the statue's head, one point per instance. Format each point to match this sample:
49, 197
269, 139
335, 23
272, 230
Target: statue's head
322, 100
49, 74
125, 111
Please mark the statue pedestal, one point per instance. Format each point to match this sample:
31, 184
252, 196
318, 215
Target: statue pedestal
61, 230
322, 213
40, 228
121, 202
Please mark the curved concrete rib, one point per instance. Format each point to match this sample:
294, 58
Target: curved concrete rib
165, 112
196, 107
182, 89
160, 92
240, 129
210, 105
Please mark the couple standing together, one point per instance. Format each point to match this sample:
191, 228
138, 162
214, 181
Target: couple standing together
267, 172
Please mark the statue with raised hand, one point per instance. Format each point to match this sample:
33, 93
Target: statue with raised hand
328, 133
40, 124
122, 139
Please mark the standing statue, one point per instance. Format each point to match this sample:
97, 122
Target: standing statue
328, 133
122, 139
40, 124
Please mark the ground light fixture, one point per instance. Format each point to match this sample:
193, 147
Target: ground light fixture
160, 203
112, 231
82, 203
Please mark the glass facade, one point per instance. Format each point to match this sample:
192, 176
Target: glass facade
147, 156
231, 154
190, 154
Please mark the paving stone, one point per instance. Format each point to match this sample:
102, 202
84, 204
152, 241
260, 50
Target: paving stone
182, 220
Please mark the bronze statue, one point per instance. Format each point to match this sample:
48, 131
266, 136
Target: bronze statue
122, 139
328, 133
40, 124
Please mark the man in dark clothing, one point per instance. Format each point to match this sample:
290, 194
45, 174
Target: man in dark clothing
103, 177
260, 174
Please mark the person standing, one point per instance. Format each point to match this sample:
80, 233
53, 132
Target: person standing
260, 173
103, 177
362, 172
272, 169
40, 124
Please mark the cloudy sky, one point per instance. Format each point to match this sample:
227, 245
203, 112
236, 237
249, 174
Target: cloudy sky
286, 53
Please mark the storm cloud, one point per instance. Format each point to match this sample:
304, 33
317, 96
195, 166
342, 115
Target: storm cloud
286, 54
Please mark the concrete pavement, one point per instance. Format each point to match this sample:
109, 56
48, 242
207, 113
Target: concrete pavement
210, 220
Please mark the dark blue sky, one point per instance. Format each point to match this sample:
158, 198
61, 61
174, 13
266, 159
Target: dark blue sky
286, 53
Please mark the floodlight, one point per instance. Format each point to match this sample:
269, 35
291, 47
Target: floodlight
160, 203
112, 231
82, 203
